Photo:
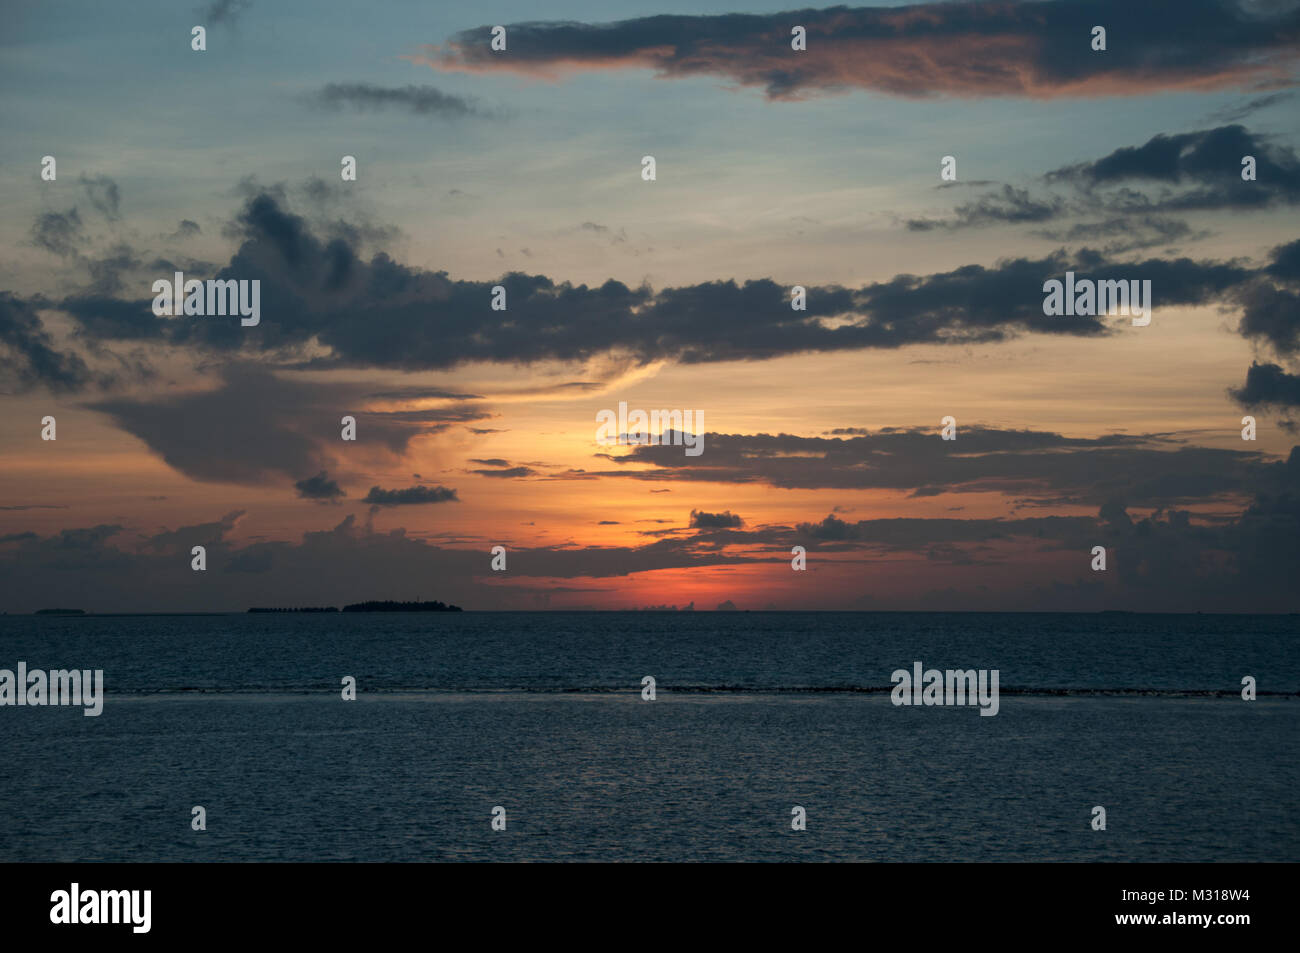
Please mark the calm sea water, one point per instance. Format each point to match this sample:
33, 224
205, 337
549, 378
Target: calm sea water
541, 713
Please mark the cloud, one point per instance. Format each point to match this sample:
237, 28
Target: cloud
1268, 385
319, 487
411, 495
255, 428
28, 356
104, 195
984, 48
1286, 262
58, 232
1271, 314
417, 100
423, 393
320, 297
502, 469
1197, 171
1205, 164
1242, 563
224, 12
1129, 234
346, 563
1040, 466
321, 301
1251, 106
726, 520
1011, 206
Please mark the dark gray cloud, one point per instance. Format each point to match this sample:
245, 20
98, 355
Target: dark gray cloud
1271, 314
319, 487
417, 100
983, 48
320, 293
1036, 465
901, 534
256, 429
1196, 171
725, 520
1244, 563
104, 317
1202, 168
411, 495
28, 355
1268, 385
1286, 262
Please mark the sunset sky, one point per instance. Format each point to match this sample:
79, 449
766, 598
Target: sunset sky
774, 168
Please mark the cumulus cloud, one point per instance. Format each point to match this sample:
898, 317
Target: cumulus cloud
725, 520
1268, 385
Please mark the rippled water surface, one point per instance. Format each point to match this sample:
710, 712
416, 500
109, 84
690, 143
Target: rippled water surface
755, 713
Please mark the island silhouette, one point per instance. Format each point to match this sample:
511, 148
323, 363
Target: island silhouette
370, 606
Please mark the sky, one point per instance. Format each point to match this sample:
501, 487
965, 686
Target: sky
819, 429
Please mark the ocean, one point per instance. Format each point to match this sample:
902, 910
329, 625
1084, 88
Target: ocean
754, 714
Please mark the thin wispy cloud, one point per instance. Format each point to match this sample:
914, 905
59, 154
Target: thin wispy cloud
224, 12
424, 101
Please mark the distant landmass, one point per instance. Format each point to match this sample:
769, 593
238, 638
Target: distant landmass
60, 612
373, 606
302, 609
